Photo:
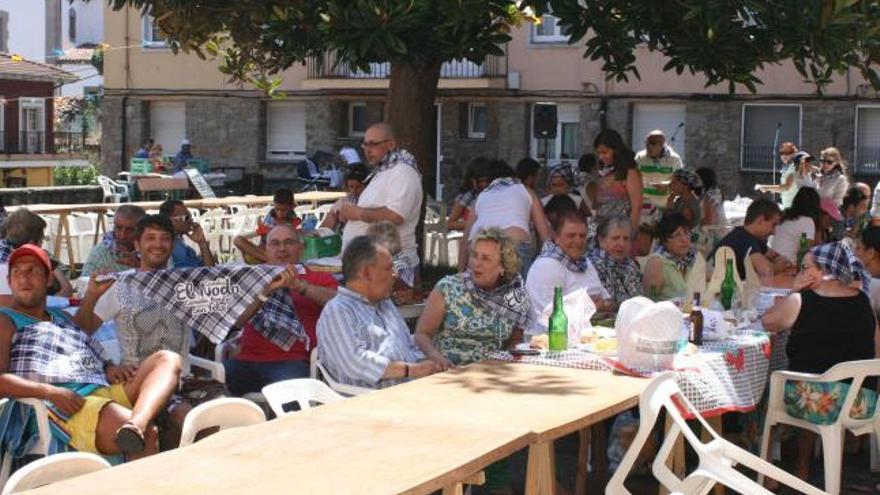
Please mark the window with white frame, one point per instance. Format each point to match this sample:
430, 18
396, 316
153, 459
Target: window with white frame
285, 130
71, 25
478, 120
548, 31
168, 124
567, 143
867, 157
764, 128
32, 125
152, 35
357, 119
668, 117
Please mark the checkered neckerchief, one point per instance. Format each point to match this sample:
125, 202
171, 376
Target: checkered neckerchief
554, 251
5, 250
278, 321
55, 351
214, 317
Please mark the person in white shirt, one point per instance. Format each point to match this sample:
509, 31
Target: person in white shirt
656, 163
799, 219
563, 263
512, 207
393, 194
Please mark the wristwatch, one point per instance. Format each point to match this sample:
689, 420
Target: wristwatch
261, 297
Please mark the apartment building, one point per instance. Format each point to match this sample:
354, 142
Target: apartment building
481, 109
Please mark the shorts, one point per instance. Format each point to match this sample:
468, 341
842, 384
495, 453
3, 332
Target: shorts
81, 427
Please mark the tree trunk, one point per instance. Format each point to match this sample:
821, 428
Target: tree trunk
410, 111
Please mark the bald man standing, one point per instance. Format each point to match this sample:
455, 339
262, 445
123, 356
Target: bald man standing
393, 194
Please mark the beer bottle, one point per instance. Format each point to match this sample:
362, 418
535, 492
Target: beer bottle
803, 247
696, 336
728, 286
557, 328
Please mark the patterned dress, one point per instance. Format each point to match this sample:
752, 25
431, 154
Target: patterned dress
468, 332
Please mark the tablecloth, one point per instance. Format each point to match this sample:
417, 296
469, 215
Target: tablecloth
724, 376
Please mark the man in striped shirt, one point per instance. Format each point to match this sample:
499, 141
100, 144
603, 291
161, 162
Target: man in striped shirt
363, 339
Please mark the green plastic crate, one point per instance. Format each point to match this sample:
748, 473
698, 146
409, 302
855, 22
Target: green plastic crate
141, 166
322, 247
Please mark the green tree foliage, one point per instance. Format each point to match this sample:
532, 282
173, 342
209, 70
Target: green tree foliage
726, 40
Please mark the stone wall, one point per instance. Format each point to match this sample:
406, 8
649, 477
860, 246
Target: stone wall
231, 131
228, 132
58, 195
137, 124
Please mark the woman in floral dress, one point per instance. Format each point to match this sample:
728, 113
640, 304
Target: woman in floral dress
470, 315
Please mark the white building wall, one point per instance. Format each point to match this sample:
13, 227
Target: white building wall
27, 28
89, 23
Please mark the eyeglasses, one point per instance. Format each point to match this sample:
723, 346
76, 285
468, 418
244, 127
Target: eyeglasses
285, 243
373, 144
825, 160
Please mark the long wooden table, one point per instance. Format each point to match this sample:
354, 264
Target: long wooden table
550, 402
311, 452
64, 211
413, 438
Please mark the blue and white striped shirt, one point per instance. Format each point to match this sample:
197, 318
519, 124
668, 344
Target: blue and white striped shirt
357, 339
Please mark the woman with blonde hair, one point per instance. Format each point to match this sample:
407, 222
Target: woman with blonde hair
832, 182
470, 315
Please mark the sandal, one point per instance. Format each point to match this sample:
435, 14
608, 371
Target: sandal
130, 439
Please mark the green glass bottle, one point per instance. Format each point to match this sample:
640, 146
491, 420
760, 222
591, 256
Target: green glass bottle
557, 328
728, 286
803, 247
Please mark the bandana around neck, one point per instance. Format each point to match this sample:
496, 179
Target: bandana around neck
501, 183
683, 264
508, 301
554, 251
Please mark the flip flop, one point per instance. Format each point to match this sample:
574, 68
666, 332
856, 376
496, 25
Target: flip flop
130, 439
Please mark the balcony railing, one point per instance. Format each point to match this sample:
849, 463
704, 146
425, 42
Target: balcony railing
328, 68
34, 142
867, 160
31, 142
759, 157
69, 142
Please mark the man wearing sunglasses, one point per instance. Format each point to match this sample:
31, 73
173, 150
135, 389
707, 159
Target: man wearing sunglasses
393, 194
183, 256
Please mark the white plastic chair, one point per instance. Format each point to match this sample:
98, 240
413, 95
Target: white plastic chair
832, 435
302, 391
717, 458
226, 412
318, 371
41, 447
52, 469
113, 191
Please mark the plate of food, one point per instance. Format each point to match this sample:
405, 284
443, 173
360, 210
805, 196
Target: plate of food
602, 346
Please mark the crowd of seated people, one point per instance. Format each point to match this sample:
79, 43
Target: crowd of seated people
588, 235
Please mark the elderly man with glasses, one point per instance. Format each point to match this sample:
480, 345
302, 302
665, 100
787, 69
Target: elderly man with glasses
273, 348
183, 256
656, 163
393, 193
116, 252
